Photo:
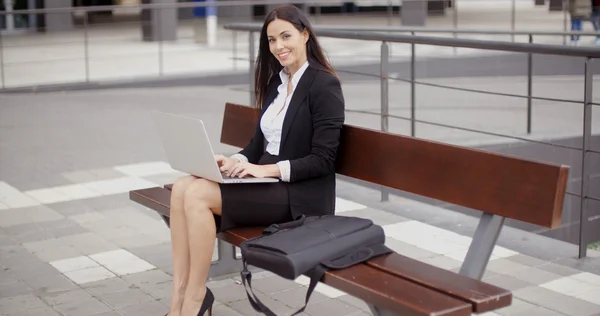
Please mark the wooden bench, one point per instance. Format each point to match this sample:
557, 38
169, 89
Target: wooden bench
499, 186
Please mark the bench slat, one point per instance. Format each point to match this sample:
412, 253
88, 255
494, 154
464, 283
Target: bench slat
484, 297
528, 191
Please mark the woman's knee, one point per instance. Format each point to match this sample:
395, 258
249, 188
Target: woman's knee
202, 193
181, 185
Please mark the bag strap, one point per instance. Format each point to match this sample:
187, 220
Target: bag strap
316, 274
254, 301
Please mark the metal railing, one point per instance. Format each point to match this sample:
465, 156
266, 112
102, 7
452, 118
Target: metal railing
589, 53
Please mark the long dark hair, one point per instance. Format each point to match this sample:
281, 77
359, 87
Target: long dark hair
267, 65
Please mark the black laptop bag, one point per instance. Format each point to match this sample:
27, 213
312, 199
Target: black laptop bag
310, 246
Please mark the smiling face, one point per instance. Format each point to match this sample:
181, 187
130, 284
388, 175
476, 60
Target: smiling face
287, 44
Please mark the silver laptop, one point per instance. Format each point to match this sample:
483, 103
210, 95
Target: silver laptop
188, 148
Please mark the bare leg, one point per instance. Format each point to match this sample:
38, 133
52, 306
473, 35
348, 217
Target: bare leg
202, 199
179, 244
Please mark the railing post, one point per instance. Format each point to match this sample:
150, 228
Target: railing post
513, 17
585, 174
234, 50
529, 85
384, 71
251, 68
86, 45
412, 88
2, 61
565, 18
160, 41
455, 23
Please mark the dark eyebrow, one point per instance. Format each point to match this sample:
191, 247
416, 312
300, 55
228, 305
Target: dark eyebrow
286, 31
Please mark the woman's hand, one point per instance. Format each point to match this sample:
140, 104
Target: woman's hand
244, 169
225, 163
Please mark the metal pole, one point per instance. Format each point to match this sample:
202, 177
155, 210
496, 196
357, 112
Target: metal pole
86, 46
390, 13
385, 55
455, 23
565, 11
160, 42
412, 88
529, 85
585, 174
2, 60
251, 55
235, 50
513, 19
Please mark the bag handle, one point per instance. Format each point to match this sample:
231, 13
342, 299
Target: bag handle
299, 221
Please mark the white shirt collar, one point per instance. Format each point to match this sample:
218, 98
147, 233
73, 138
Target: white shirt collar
283, 74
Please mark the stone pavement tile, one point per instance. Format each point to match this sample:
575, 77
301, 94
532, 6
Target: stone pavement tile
231, 292
508, 282
505, 266
46, 311
13, 217
159, 255
274, 284
555, 301
63, 297
20, 303
80, 176
539, 311
223, 310
17, 257
592, 296
83, 308
28, 232
14, 289
155, 282
139, 240
162, 179
109, 202
378, 217
574, 307
527, 260
358, 303
90, 275
119, 300
330, 307
113, 313
72, 207
295, 297
34, 271
6, 276
42, 213
51, 283
535, 276
558, 269
407, 249
570, 286
107, 286
279, 308
106, 173
145, 309
517, 307
148, 278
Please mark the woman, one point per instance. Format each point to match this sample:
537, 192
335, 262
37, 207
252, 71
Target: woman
301, 106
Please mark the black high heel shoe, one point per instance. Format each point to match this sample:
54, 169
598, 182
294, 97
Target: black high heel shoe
207, 303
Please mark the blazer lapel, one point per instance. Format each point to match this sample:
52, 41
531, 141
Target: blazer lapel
271, 93
299, 95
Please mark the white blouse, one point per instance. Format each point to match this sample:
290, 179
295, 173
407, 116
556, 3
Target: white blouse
271, 123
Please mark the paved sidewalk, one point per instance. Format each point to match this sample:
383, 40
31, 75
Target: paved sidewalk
72, 244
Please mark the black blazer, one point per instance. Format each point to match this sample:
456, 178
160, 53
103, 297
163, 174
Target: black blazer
310, 140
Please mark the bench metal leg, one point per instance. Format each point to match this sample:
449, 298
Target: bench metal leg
226, 264
482, 245
376, 311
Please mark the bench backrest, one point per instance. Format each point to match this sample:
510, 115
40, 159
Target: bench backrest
512, 187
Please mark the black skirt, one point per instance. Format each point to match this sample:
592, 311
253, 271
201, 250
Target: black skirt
254, 204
